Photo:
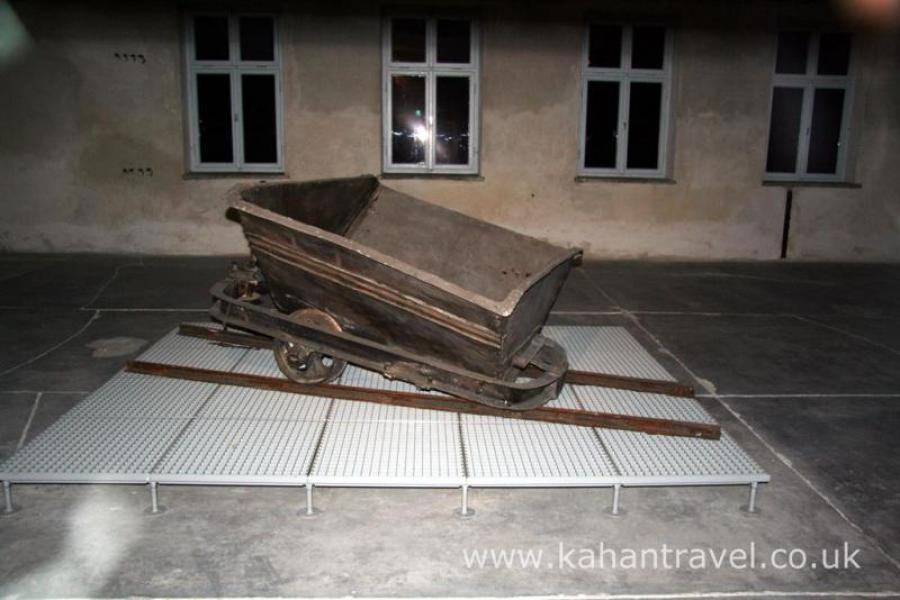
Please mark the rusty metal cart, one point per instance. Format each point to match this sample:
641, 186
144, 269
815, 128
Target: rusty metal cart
349, 270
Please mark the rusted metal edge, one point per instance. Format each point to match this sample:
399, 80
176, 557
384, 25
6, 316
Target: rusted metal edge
371, 288
636, 384
670, 388
432, 402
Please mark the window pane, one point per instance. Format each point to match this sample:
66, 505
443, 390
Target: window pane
605, 46
792, 50
643, 125
784, 130
260, 130
214, 117
453, 41
452, 127
825, 133
408, 132
211, 38
602, 124
408, 40
648, 47
834, 54
257, 38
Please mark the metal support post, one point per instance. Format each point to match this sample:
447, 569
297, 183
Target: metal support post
8, 507
751, 500
155, 507
614, 510
311, 511
464, 510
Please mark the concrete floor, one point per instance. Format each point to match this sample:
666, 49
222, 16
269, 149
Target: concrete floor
800, 362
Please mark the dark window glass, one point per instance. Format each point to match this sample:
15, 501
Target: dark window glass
453, 41
211, 38
408, 131
602, 124
792, 51
408, 40
825, 132
834, 54
784, 130
648, 47
605, 46
451, 144
643, 125
260, 130
257, 38
214, 117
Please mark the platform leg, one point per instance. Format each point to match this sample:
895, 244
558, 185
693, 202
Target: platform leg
751, 500
155, 507
8, 507
615, 510
154, 498
310, 510
464, 510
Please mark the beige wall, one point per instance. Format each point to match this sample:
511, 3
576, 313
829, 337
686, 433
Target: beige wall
72, 117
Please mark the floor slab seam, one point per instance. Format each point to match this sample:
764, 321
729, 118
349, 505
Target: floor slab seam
800, 395
27, 427
108, 282
783, 459
145, 309
847, 333
96, 315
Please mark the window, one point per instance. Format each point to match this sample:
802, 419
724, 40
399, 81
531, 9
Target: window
810, 107
234, 93
430, 95
625, 101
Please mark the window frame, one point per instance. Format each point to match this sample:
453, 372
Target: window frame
431, 70
809, 82
625, 76
235, 68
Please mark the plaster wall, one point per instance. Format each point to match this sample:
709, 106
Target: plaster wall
73, 117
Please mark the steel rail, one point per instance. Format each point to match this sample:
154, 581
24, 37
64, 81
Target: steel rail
545, 414
636, 384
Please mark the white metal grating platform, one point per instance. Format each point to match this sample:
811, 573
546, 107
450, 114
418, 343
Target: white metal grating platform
143, 429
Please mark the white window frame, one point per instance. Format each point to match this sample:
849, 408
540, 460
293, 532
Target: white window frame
235, 68
431, 70
809, 83
624, 75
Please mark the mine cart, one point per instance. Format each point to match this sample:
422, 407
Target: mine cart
349, 270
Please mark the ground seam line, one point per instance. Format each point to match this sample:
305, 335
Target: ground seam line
141, 310
34, 407
108, 282
841, 395
665, 596
784, 460
847, 333
81, 330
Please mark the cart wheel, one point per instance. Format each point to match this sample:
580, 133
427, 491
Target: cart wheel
302, 364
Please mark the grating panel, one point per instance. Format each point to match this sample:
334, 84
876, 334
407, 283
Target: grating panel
230, 402
610, 350
516, 453
93, 450
417, 453
261, 362
245, 451
185, 351
641, 404
132, 395
666, 460
136, 428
